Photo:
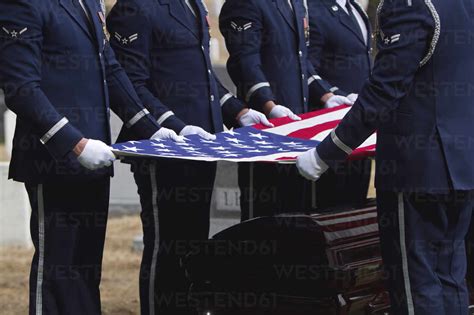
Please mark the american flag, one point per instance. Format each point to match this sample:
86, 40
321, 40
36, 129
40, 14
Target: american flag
282, 143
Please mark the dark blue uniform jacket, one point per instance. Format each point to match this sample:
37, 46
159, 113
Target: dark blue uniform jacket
419, 98
165, 51
61, 78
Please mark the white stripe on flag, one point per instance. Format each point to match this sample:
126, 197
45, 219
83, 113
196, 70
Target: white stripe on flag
307, 123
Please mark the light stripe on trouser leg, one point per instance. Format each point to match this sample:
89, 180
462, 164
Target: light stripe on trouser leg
251, 195
156, 244
39, 276
403, 249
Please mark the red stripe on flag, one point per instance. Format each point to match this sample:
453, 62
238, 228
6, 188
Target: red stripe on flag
308, 133
285, 120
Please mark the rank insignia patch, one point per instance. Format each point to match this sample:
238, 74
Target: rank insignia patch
124, 40
240, 28
14, 33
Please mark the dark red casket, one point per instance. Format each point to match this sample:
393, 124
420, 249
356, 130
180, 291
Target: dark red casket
291, 265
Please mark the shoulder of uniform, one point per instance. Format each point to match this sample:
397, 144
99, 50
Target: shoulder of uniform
33, 5
129, 7
26, 11
244, 3
140, 4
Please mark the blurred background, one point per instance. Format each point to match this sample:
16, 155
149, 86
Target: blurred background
123, 244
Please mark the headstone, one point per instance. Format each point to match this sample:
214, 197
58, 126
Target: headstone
3, 108
123, 192
9, 129
14, 211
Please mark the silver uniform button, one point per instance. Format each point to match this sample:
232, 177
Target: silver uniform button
212, 98
302, 76
304, 99
300, 53
209, 71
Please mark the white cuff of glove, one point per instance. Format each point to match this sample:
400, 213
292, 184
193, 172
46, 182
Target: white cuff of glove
337, 100
95, 155
166, 134
310, 165
282, 111
252, 117
195, 130
353, 97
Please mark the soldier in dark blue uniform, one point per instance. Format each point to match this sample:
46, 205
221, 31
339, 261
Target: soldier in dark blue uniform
267, 42
340, 50
164, 47
416, 100
340, 42
61, 78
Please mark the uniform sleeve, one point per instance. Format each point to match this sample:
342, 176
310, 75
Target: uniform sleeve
317, 85
231, 106
124, 100
404, 39
241, 25
131, 38
317, 40
21, 41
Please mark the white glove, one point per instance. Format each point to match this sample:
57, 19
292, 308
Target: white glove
310, 165
282, 111
166, 134
337, 100
252, 117
353, 97
95, 155
195, 130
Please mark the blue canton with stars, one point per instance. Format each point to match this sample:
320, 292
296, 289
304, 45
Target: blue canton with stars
241, 145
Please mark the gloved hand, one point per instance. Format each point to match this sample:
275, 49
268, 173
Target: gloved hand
353, 97
337, 100
95, 155
165, 133
310, 165
282, 111
252, 117
195, 130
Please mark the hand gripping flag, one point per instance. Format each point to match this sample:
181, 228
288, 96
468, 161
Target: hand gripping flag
282, 143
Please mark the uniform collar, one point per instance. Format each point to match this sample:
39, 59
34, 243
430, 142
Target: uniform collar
176, 11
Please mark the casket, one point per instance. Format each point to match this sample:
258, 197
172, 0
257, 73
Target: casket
291, 264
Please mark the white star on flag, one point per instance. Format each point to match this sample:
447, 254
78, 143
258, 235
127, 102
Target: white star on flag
161, 145
131, 149
261, 142
219, 148
231, 132
257, 135
208, 141
163, 150
234, 140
